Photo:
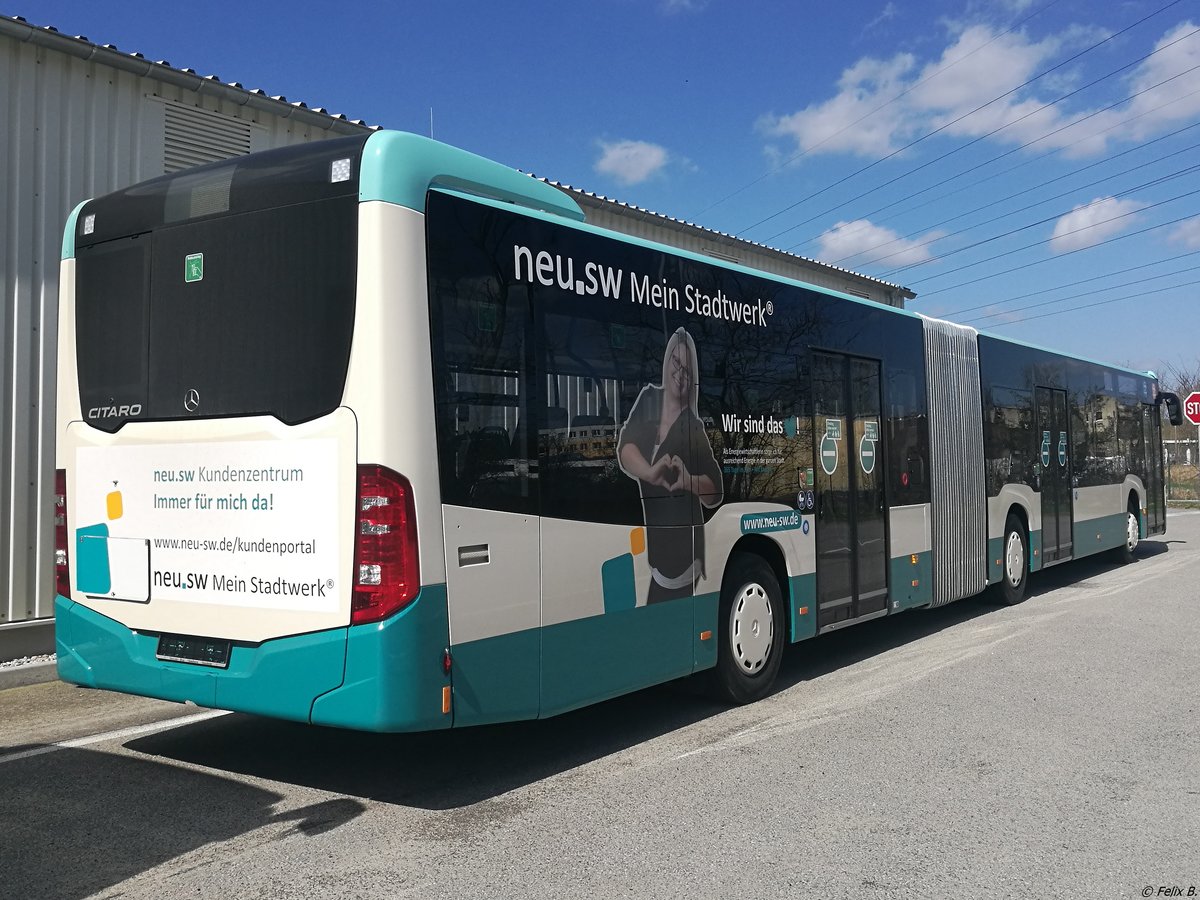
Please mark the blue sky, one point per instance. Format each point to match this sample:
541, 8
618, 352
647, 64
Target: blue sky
854, 136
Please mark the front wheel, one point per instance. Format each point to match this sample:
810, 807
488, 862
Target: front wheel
751, 631
1124, 552
1015, 573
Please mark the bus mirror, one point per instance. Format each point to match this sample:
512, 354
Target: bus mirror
1174, 410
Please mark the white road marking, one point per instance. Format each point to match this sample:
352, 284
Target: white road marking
118, 735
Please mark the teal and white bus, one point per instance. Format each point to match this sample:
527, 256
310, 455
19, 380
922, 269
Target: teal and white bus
377, 434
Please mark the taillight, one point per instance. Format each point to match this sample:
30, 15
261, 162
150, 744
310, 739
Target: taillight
387, 575
62, 571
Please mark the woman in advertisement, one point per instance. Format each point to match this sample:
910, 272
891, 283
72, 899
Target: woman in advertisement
664, 446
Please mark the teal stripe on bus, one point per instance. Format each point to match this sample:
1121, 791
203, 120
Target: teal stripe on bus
903, 572
68, 243
1035, 551
386, 676
394, 673
401, 168
802, 625
277, 678
1097, 535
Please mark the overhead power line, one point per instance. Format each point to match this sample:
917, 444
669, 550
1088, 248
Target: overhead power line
1038, 262
1059, 312
975, 185
1040, 202
1071, 284
950, 65
1058, 215
1007, 197
1091, 293
955, 121
1060, 236
1009, 124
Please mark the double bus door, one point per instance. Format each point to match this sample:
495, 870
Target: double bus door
1054, 468
851, 533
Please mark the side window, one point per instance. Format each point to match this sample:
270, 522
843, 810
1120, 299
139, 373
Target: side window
481, 352
1080, 434
1009, 443
1129, 437
593, 370
756, 409
908, 433
1103, 460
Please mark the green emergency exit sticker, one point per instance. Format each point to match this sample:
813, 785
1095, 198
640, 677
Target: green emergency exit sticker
193, 267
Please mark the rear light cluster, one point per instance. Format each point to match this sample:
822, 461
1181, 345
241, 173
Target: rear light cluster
387, 574
62, 571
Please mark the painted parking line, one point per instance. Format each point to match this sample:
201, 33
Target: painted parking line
121, 734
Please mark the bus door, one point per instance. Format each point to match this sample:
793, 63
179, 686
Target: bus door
1152, 442
848, 443
1054, 481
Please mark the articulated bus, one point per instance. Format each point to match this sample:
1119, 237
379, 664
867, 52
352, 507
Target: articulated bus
375, 433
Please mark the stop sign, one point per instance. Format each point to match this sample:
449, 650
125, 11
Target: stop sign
1191, 407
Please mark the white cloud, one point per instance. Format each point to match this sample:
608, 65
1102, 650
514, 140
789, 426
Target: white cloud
889, 12
1168, 103
861, 243
1091, 223
631, 162
1187, 233
682, 6
831, 127
978, 64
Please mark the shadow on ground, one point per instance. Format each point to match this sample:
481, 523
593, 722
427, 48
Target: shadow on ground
79, 821
454, 769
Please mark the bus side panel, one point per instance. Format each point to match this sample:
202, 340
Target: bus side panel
277, 678
619, 652
389, 383
496, 679
1100, 515
911, 562
600, 638
492, 586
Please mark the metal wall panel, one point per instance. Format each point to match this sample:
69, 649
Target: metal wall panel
76, 122
958, 495
650, 227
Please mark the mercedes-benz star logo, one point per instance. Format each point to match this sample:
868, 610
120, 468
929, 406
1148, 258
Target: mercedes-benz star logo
191, 400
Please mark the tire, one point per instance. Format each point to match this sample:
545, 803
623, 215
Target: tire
750, 627
1124, 554
1014, 572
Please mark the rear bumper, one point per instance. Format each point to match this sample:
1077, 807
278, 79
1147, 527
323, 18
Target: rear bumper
382, 677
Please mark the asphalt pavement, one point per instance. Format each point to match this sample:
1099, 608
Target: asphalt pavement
1049, 749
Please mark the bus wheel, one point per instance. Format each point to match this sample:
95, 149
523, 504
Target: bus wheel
1015, 574
1124, 552
751, 631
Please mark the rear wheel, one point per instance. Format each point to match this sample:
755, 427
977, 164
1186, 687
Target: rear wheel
1015, 564
751, 631
1124, 553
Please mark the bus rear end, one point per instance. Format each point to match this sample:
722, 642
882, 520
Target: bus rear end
233, 529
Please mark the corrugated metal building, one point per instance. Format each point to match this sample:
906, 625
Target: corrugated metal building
81, 120
651, 226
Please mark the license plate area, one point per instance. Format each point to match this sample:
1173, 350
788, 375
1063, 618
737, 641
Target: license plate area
197, 651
